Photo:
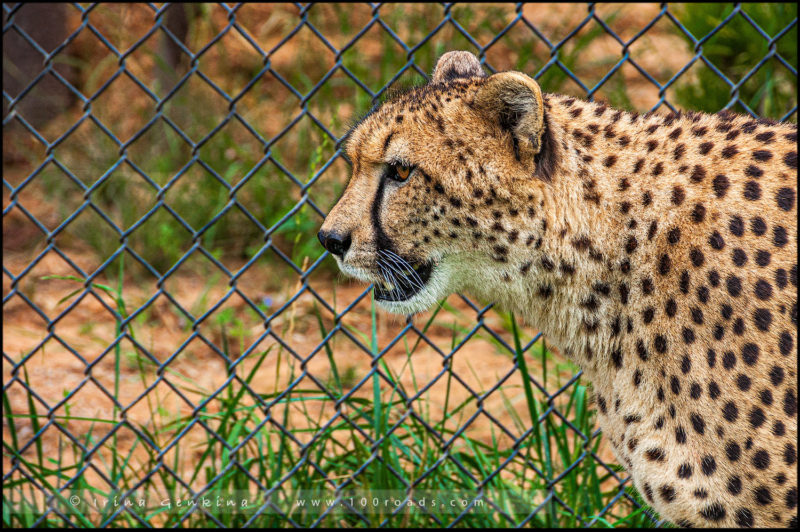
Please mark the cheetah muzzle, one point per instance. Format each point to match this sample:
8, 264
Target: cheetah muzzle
656, 251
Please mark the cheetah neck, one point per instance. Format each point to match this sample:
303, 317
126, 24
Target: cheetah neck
576, 282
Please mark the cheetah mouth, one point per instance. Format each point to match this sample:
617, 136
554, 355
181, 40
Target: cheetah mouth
401, 279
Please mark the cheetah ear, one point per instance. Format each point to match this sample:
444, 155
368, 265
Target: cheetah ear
514, 101
456, 65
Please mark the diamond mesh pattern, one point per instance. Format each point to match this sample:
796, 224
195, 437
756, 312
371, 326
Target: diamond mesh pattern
91, 112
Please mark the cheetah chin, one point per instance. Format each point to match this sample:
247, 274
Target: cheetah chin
408, 290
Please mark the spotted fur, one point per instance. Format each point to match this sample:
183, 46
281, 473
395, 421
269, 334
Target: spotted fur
658, 252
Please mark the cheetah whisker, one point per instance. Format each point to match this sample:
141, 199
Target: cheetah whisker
403, 263
413, 278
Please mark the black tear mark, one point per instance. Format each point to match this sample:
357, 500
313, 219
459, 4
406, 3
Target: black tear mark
382, 240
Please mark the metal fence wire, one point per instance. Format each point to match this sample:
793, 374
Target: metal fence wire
48, 91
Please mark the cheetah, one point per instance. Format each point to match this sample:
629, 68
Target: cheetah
658, 252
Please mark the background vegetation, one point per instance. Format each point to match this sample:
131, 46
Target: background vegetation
223, 153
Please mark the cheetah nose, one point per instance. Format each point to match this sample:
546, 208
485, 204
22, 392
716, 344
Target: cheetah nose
336, 243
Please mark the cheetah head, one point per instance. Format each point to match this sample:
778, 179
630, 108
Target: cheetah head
430, 166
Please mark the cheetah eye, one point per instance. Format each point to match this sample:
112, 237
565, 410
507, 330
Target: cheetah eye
399, 172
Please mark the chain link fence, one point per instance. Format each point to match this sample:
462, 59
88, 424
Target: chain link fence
171, 325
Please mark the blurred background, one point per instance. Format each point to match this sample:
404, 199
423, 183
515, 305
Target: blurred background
171, 324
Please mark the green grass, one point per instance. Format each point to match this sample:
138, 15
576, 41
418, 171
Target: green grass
407, 451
